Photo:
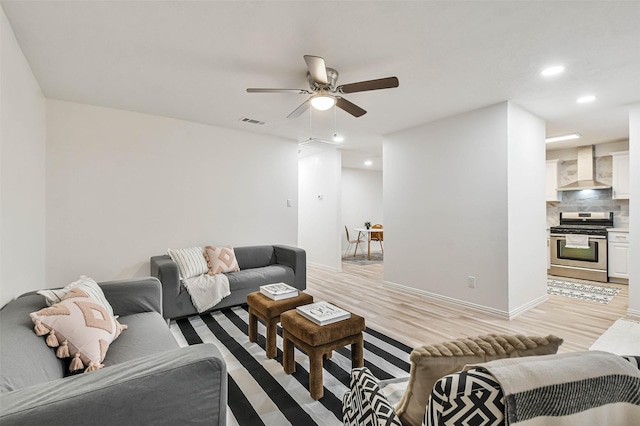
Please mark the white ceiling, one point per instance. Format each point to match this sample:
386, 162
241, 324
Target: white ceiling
193, 60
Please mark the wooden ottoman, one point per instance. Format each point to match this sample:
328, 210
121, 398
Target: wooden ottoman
318, 341
268, 310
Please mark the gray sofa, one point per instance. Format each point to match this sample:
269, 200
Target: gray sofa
259, 265
147, 378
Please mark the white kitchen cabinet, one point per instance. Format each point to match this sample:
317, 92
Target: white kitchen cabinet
552, 193
618, 256
620, 182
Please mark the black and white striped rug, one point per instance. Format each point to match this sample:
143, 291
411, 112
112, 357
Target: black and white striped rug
260, 393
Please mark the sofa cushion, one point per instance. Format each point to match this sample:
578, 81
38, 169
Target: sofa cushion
78, 327
147, 334
254, 278
365, 404
190, 261
431, 362
220, 259
31, 362
254, 256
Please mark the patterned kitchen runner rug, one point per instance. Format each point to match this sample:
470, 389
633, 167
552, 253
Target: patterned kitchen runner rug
592, 293
260, 393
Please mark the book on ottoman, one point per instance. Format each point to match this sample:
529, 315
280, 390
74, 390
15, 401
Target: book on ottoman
278, 291
323, 313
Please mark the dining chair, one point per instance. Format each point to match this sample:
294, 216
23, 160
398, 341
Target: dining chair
378, 236
352, 242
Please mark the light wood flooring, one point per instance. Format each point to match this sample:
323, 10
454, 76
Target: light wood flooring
417, 320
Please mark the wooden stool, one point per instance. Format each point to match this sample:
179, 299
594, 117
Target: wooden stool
268, 310
317, 341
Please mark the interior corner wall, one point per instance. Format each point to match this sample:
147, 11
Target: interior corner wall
361, 202
22, 171
527, 211
319, 208
634, 210
125, 186
445, 207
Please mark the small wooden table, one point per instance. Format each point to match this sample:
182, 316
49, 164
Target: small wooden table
368, 231
318, 341
268, 311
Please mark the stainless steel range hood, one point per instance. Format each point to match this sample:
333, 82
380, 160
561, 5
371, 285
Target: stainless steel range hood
586, 177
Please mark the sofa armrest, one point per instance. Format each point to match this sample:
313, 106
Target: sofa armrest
134, 296
166, 270
296, 258
181, 386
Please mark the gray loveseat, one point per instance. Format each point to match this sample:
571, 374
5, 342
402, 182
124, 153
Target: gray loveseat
147, 378
259, 265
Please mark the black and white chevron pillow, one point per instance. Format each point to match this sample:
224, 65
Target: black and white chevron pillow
365, 404
472, 397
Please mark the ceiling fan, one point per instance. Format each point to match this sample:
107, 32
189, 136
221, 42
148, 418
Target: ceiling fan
324, 91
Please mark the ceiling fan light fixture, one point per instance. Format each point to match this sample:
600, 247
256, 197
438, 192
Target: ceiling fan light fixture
323, 102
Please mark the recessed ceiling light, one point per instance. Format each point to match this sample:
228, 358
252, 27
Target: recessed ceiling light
338, 138
585, 99
368, 162
568, 137
552, 70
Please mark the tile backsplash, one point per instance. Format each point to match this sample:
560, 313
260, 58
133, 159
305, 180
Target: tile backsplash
595, 200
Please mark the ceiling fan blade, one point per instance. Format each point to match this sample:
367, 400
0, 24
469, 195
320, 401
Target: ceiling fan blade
300, 110
350, 107
363, 86
317, 69
261, 90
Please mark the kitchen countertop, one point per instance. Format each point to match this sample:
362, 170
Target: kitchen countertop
618, 230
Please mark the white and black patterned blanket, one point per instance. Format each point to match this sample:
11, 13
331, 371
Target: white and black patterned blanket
582, 388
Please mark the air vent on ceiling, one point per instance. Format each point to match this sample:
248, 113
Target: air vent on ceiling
318, 143
252, 121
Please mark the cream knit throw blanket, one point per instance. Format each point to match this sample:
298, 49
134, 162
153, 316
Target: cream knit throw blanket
580, 388
206, 290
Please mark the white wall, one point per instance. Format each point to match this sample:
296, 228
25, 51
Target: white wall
447, 207
320, 230
634, 210
22, 172
527, 211
125, 186
361, 202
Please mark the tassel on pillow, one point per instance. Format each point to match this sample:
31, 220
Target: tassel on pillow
93, 367
40, 328
76, 363
52, 340
63, 350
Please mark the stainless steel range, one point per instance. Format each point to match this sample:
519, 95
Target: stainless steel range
579, 245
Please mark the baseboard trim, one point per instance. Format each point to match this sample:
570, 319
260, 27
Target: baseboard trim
451, 300
527, 306
479, 308
633, 312
325, 267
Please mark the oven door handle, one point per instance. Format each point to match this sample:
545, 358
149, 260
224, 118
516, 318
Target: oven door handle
595, 237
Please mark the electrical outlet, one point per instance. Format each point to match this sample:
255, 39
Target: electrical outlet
471, 281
